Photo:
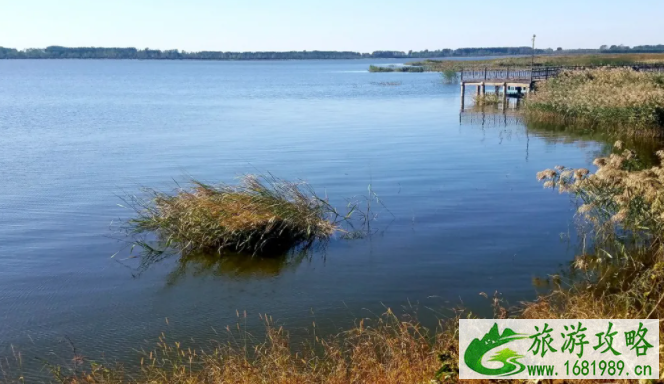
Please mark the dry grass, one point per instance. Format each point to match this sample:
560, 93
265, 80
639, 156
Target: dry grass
619, 100
260, 214
546, 60
387, 350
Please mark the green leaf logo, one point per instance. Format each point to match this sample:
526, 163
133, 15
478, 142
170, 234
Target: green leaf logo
492, 340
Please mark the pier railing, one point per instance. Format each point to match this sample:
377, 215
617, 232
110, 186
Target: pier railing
539, 73
504, 73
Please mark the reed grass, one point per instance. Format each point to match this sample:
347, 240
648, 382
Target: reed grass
622, 274
487, 99
385, 350
623, 199
449, 76
261, 214
622, 101
396, 68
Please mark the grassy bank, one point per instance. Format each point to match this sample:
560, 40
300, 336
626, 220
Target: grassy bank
545, 60
619, 100
620, 276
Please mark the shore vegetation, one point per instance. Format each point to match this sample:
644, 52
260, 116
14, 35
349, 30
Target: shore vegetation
589, 60
620, 100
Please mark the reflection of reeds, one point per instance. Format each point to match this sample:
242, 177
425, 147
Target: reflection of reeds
386, 83
233, 265
619, 100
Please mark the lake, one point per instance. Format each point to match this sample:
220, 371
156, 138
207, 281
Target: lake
466, 213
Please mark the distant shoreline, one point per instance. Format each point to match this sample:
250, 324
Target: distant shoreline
112, 53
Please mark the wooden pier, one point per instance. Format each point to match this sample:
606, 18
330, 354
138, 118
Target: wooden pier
523, 80
518, 79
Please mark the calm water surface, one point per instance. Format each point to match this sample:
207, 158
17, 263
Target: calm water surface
469, 215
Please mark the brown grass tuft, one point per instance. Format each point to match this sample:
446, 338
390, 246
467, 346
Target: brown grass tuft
260, 214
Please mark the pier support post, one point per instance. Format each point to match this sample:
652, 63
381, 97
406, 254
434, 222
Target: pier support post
483, 89
463, 95
504, 95
478, 90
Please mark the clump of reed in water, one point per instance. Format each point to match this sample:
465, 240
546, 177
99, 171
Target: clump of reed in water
449, 76
261, 213
396, 68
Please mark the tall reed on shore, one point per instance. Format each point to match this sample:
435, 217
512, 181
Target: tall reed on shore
618, 100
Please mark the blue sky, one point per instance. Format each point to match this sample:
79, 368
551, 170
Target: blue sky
357, 25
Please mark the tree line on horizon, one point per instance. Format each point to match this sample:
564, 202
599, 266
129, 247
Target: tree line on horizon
59, 52
636, 49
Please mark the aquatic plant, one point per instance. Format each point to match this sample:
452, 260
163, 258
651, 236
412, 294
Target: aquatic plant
487, 99
262, 213
619, 100
396, 68
449, 75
